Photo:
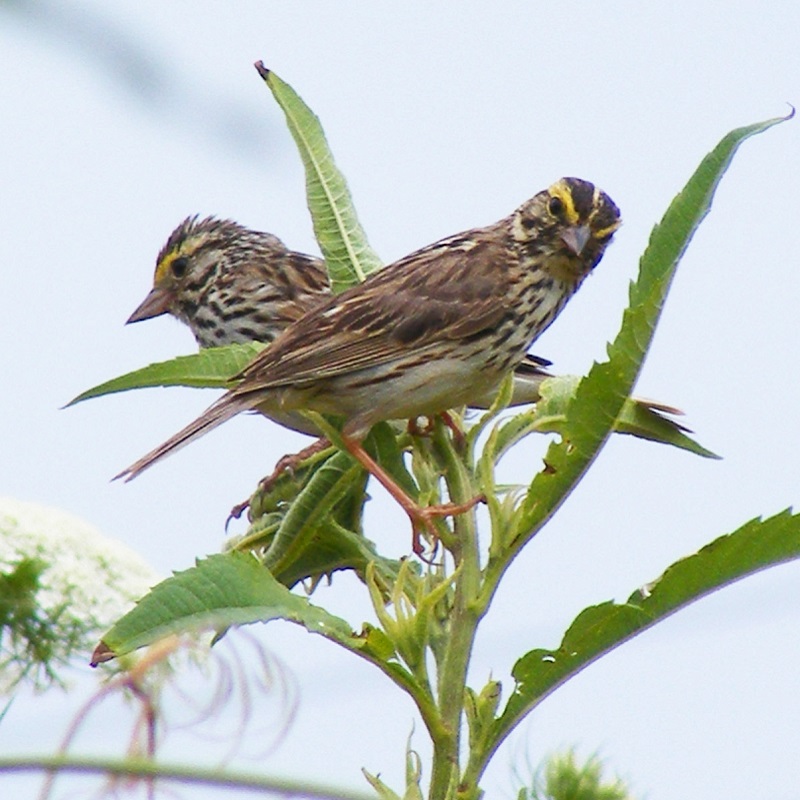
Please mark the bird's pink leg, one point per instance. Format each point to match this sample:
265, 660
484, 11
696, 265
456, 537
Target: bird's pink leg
418, 514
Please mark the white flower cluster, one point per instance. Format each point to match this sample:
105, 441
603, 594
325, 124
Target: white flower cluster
87, 582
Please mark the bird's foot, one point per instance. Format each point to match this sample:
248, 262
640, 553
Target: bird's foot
424, 517
288, 463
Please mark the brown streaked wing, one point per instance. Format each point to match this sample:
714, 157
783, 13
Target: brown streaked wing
444, 291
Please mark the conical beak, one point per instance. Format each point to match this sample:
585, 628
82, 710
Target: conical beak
155, 304
576, 238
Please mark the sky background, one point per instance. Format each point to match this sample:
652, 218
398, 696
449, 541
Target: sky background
121, 119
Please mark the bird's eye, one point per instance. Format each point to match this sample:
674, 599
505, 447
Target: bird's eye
556, 206
179, 266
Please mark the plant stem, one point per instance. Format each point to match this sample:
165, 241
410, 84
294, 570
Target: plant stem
462, 625
145, 768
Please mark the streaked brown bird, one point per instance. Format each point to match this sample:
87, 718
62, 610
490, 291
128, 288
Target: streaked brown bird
228, 283
435, 330
232, 284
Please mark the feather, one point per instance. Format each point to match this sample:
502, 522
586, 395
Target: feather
226, 407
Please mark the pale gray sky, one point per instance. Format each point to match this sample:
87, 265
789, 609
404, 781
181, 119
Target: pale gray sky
121, 119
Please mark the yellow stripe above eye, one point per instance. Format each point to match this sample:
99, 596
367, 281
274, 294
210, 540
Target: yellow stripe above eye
162, 268
603, 232
561, 190
596, 204
186, 249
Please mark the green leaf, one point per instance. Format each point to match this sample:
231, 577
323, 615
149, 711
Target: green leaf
330, 549
312, 507
383, 791
308, 524
413, 777
758, 544
320, 531
210, 368
220, 591
644, 419
341, 238
647, 420
600, 398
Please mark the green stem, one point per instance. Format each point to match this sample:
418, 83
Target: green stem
144, 768
462, 625
482, 751
420, 694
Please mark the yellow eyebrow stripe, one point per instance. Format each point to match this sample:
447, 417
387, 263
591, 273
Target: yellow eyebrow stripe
602, 232
186, 248
561, 190
162, 268
606, 231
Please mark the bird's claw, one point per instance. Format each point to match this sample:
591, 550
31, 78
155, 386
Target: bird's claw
424, 517
288, 463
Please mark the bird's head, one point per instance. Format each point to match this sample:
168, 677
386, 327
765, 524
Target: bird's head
571, 223
196, 255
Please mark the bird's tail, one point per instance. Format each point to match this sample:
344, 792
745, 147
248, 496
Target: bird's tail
225, 408
528, 377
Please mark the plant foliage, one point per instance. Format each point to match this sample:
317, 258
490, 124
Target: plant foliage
309, 524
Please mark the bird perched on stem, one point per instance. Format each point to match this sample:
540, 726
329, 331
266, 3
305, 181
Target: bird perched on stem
231, 284
228, 284
432, 331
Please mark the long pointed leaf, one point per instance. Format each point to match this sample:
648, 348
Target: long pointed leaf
758, 544
644, 419
220, 591
307, 524
210, 368
341, 238
600, 397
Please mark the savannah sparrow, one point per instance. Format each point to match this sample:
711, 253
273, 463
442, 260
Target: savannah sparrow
432, 331
230, 284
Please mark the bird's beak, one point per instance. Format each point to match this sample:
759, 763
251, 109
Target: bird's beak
154, 305
576, 237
